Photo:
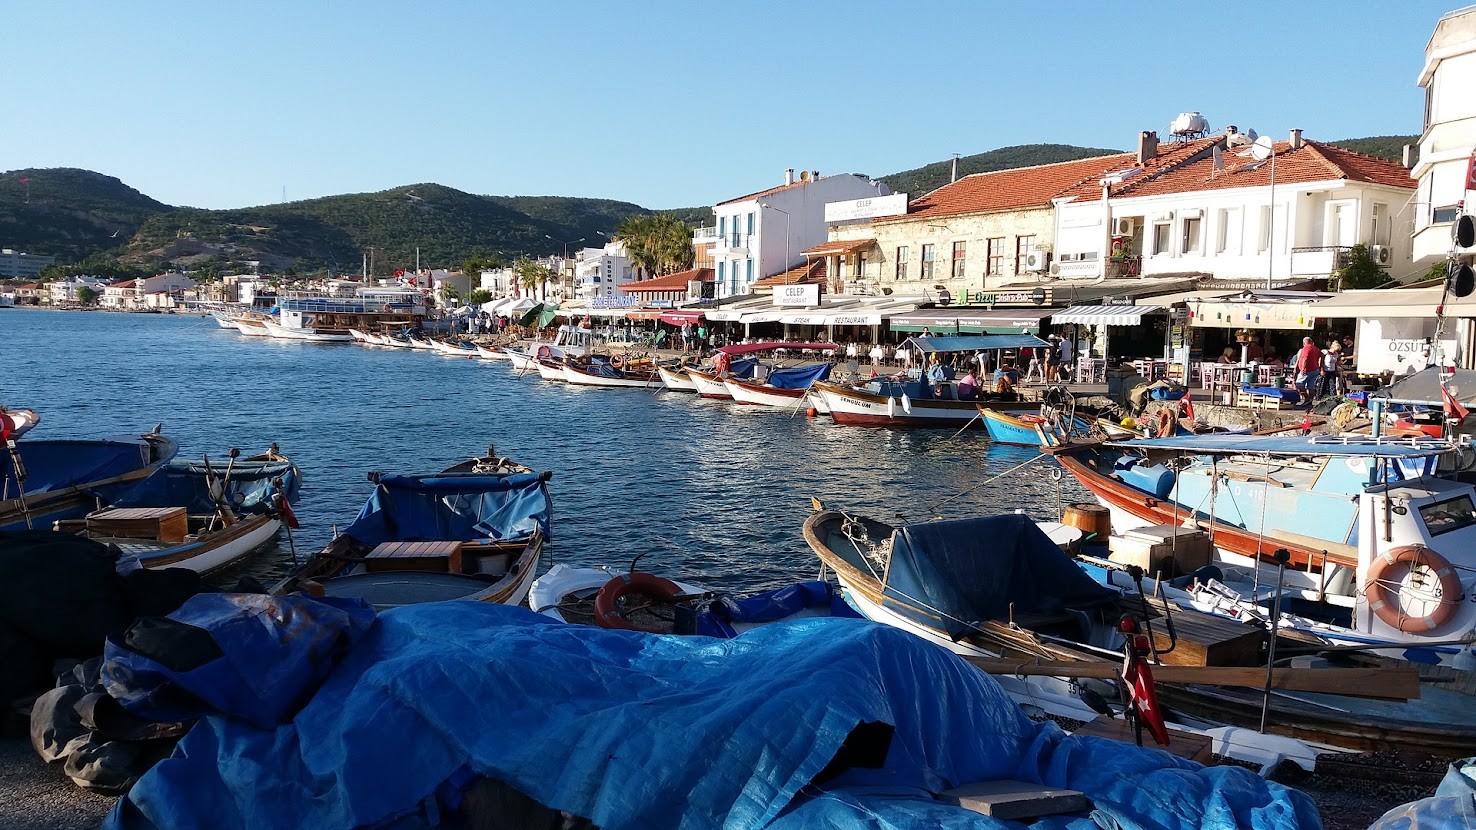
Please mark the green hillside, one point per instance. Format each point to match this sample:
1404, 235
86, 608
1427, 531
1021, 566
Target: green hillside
69, 213
933, 176
1387, 147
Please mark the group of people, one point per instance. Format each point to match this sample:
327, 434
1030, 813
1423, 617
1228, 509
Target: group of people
1319, 372
694, 338
1054, 363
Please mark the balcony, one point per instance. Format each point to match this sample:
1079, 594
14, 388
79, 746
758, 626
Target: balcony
1318, 260
705, 236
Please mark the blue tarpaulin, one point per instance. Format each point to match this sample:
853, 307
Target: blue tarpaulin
974, 343
970, 570
453, 507
1452, 807
61, 463
183, 484
718, 617
799, 377
634, 730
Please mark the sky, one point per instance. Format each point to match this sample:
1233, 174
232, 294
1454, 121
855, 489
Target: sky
661, 103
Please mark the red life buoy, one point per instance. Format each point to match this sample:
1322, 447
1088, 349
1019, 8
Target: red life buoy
1383, 592
659, 590
544, 351
1186, 408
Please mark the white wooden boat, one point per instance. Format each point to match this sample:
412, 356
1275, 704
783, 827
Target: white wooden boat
492, 353
709, 385
676, 379
312, 335
359, 335
551, 370
749, 393
564, 586
610, 376
852, 406
252, 327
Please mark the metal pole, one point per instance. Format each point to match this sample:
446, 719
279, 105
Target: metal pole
1282, 556
1271, 231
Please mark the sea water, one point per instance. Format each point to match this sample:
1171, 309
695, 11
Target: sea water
704, 490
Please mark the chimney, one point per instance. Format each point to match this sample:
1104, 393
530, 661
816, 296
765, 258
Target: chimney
1408, 157
1147, 145
1231, 130
789, 176
1296, 140
814, 175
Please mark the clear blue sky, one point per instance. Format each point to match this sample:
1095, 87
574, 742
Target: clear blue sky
662, 103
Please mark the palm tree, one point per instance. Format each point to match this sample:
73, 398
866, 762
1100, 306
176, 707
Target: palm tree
657, 245
531, 275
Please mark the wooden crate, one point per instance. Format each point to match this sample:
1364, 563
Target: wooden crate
1010, 800
439, 557
1250, 401
1205, 640
169, 525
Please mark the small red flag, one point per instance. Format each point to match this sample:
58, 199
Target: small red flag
1470, 173
1453, 409
287, 515
23, 181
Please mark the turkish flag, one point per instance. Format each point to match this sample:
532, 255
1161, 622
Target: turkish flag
1453, 409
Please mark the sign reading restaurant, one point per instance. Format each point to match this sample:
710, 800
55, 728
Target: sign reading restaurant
870, 208
797, 295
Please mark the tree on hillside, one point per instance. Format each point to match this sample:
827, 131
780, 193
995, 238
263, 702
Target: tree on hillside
1361, 271
656, 245
531, 276
479, 296
448, 294
86, 295
478, 264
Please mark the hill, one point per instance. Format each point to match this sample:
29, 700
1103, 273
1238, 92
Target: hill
930, 177
70, 213
1387, 147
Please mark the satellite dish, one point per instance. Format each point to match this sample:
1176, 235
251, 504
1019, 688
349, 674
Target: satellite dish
1462, 281
1261, 148
1252, 135
1464, 232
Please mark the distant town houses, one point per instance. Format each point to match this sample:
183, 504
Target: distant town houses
155, 293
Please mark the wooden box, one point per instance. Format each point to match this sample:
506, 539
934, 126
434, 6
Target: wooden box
169, 525
1246, 399
1169, 550
437, 557
1205, 640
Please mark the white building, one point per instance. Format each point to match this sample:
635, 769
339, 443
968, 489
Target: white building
156, 292
600, 272
1202, 208
1449, 136
764, 233
15, 265
64, 291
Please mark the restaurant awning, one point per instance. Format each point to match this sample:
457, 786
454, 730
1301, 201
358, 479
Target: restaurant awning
645, 314
838, 246
1392, 303
1251, 314
971, 321
1106, 315
976, 342
761, 317
733, 313
677, 318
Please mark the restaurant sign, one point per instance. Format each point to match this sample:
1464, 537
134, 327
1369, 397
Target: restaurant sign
797, 295
1033, 297
870, 208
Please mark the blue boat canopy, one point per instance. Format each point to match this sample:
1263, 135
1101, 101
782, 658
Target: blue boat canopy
967, 571
56, 464
453, 508
183, 484
1292, 445
975, 343
799, 377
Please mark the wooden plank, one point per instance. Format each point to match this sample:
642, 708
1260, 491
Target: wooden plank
1183, 744
1009, 800
1378, 684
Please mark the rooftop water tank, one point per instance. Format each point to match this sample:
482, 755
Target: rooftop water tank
1189, 123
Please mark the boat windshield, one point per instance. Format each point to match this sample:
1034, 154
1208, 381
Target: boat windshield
1451, 514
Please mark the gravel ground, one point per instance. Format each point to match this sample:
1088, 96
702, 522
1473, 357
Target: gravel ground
35, 796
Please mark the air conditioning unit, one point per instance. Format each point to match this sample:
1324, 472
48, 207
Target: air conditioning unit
1124, 226
1055, 269
1037, 261
1381, 254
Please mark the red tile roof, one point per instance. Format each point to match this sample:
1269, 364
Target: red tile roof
838, 246
125, 284
1170, 156
670, 282
1012, 189
811, 272
1312, 162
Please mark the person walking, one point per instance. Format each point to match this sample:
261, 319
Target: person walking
1035, 367
1308, 365
1065, 356
1331, 375
686, 336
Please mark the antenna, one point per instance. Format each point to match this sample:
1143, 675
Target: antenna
284, 192
1261, 148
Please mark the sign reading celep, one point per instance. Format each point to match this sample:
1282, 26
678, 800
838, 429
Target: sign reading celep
797, 295
893, 205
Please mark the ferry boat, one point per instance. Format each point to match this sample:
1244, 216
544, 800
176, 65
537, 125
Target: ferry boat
327, 319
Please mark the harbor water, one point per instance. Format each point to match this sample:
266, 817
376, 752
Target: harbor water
699, 489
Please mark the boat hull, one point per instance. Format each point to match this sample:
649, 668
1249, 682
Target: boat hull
252, 328
857, 407
709, 385
492, 353
1017, 430
550, 371
676, 380
754, 394
578, 377
221, 549
282, 332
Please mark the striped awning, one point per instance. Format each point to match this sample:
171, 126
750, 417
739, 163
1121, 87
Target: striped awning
1106, 315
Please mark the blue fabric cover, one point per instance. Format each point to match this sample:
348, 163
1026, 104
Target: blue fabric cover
1452, 807
716, 618
1291, 396
1156, 479
274, 653
971, 570
975, 342
640, 731
744, 368
62, 463
182, 484
799, 377
453, 507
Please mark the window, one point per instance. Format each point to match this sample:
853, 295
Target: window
1192, 237
722, 226
1161, 238
750, 223
960, 251
902, 254
994, 256
1380, 228
928, 255
860, 265
748, 268
1227, 231
1448, 213
722, 270
1023, 246
1451, 514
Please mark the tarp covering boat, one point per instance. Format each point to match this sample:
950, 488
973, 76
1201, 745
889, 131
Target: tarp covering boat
1424, 386
717, 618
631, 730
453, 507
971, 570
799, 377
183, 484
62, 463
974, 343
1452, 807
754, 348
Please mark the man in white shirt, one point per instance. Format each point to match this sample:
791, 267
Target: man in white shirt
1065, 355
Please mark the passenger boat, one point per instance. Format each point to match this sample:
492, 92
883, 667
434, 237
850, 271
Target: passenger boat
449, 536
321, 318
908, 401
198, 515
782, 389
636, 600
996, 587
569, 341
1380, 549
44, 480
1030, 430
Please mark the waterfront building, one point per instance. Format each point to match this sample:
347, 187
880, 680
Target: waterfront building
601, 273
18, 265
1444, 168
147, 294
672, 289
762, 234
64, 291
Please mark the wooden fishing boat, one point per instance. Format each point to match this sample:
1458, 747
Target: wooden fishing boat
489, 464
783, 388
42, 481
615, 373
676, 379
487, 352
993, 588
551, 369
1029, 430
457, 349
252, 325
198, 515
449, 536
708, 384
887, 403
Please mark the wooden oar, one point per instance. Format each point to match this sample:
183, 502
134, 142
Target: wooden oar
1378, 684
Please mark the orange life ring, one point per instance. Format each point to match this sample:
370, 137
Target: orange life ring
1383, 598
1168, 422
544, 351
607, 616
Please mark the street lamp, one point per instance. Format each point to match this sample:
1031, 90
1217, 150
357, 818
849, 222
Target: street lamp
786, 231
